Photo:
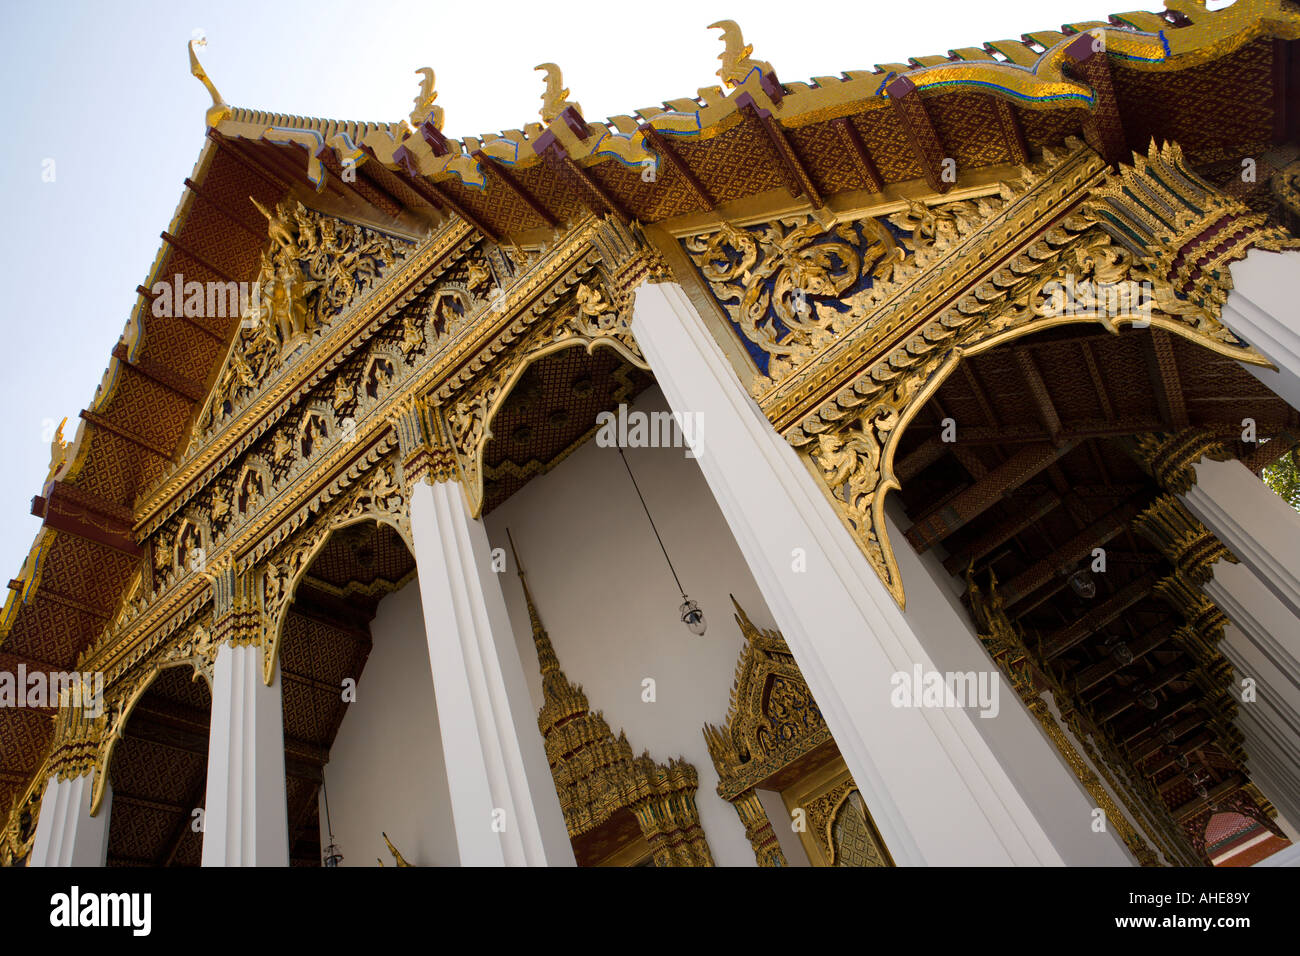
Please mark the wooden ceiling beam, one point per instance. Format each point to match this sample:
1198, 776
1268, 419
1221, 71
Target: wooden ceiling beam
219, 339
857, 151
100, 421
187, 250
983, 494
922, 137
1038, 389
1103, 130
440, 199
159, 375
362, 187
934, 448
1093, 675
793, 171
1100, 616
1118, 701
1098, 383
1002, 532
1012, 134
1193, 807
220, 208
1171, 752
589, 192
665, 149
1168, 710
1151, 741
275, 180
498, 172
1067, 555
1165, 383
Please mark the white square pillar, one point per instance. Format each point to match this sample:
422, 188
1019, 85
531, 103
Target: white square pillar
503, 798
246, 818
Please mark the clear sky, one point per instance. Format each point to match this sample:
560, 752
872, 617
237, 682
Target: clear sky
103, 89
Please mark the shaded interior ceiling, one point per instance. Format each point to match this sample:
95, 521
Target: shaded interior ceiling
327, 639
159, 773
1075, 394
550, 412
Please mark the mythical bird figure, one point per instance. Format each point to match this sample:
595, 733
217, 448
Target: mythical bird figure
556, 98
277, 225
424, 108
736, 61
218, 110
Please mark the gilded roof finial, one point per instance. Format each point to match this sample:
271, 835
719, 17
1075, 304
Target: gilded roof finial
556, 98
218, 110
58, 450
736, 61
424, 108
397, 856
546, 656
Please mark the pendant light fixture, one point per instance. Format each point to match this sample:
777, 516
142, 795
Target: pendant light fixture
333, 857
690, 611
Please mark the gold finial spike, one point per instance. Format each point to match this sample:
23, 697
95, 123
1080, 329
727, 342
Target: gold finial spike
555, 99
546, 656
397, 856
735, 57
424, 101
218, 110
58, 449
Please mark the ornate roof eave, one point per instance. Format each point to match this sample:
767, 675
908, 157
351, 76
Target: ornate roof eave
1029, 72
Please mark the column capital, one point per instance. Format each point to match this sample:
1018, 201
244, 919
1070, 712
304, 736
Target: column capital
425, 446
1185, 229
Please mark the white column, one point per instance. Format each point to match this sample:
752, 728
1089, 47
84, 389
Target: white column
936, 791
66, 833
1254, 522
503, 798
1053, 793
1262, 310
246, 819
1263, 644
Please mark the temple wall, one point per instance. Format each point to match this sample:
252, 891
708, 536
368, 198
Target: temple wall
386, 771
608, 601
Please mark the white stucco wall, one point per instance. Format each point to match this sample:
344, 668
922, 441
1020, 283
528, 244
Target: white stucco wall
608, 601
386, 772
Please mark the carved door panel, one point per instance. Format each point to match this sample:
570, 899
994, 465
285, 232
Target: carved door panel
837, 829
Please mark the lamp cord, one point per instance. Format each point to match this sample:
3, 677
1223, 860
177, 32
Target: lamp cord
652, 523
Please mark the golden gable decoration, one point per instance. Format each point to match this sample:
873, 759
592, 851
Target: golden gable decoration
313, 267
775, 737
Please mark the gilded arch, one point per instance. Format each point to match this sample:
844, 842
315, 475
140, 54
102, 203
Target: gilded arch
853, 328
775, 738
378, 496
589, 320
195, 649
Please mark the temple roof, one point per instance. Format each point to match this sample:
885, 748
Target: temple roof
864, 138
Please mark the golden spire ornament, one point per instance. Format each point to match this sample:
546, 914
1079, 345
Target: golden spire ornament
218, 110
555, 99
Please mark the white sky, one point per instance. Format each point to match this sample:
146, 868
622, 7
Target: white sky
104, 90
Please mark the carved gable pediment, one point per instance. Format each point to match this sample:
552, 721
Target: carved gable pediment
313, 269
773, 719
